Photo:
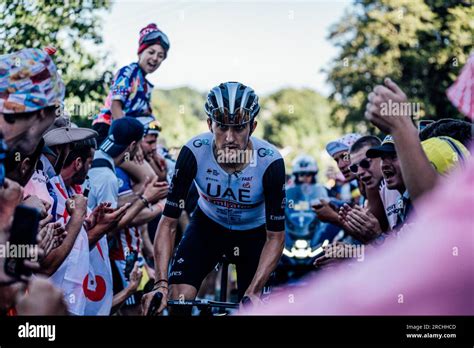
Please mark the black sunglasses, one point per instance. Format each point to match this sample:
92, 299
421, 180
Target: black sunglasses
306, 174
365, 163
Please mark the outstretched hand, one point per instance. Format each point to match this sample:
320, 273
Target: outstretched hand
387, 108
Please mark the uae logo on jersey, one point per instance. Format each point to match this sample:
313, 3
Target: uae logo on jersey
246, 184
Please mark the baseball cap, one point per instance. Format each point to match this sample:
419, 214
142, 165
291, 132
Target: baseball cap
151, 125
444, 153
122, 133
387, 147
342, 144
29, 81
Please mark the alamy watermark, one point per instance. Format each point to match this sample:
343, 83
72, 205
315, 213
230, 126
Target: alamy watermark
400, 109
232, 156
345, 251
20, 251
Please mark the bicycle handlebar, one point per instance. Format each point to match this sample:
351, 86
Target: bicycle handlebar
156, 301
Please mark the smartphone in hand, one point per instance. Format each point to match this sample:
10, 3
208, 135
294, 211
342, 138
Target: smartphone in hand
130, 260
22, 236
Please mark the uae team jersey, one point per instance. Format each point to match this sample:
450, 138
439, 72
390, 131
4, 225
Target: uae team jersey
238, 201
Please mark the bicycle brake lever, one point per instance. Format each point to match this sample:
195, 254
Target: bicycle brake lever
246, 302
155, 303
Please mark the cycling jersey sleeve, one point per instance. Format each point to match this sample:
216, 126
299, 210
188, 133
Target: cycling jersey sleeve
184, 173
275, 196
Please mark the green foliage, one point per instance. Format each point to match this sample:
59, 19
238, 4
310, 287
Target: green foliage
181, 114
295, 120
419, 44
70, 26
298, 121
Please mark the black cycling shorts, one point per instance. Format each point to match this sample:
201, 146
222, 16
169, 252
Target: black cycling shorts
203, 245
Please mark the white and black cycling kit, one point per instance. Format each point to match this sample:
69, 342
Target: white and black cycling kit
233, 211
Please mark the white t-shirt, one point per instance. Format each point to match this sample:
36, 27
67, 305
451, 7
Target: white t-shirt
389, 200
71, 273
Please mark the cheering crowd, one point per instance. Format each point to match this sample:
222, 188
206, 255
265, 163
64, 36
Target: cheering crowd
92, 197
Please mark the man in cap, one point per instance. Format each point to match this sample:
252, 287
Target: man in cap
121, 145
442, 152
31, 91
381, 200
129, 240
339, 151
147, 162
390, 164
413, 160
149, 145
67, 265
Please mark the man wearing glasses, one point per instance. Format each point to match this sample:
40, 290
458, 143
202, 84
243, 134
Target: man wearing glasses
240, 212
381, 200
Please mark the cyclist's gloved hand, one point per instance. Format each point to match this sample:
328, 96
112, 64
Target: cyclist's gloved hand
246, 302
154, 302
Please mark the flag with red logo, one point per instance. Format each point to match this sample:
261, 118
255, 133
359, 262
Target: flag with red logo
461, 93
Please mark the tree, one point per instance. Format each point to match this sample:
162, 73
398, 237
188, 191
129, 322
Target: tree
419, 44
68, 26
298, 121
180, 112
295, 120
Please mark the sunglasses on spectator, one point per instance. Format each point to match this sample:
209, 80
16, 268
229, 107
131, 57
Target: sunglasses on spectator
306, 174
365, 163
154, 125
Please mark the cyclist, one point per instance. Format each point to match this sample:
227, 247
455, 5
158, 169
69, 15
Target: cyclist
240, 210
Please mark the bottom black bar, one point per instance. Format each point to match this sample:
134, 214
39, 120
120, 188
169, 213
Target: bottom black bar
353, 330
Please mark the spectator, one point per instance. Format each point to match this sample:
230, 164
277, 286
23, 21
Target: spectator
456, 129
21, 166
410, 267
444, 154
130, 94
28, 107
121, 145
68, 264
413, 159
339, 151
365, 224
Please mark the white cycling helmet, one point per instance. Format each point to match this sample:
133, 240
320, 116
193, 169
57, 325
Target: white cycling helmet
232, 104
305, 164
